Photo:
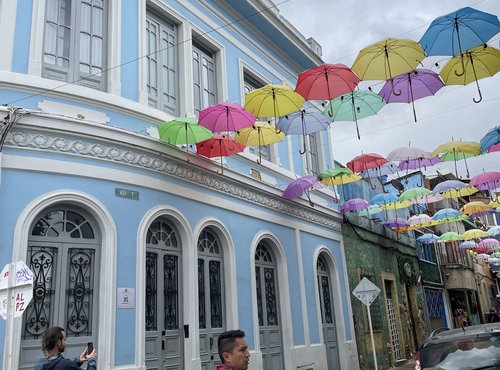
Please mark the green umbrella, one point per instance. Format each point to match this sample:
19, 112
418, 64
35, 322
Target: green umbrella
451, 236
354, 106
183, 130
414, 193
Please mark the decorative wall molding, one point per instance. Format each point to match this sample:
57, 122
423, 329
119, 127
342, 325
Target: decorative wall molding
134, 156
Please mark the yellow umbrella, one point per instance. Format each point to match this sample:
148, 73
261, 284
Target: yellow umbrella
395, 205
457, 193
495, 203
474, 207
456, 150
477, 63
474, 234
260, 134
273, 101
387, 59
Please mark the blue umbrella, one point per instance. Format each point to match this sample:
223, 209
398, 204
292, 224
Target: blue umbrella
446, 213
463, 29
491, 138
428, 238
384, 198
303, 123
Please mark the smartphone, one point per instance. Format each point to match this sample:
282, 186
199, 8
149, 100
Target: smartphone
90, 348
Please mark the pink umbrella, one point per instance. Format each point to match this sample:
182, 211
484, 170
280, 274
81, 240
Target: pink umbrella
494, 148
225, 117
486, 181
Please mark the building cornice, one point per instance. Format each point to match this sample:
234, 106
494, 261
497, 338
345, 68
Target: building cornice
48, 141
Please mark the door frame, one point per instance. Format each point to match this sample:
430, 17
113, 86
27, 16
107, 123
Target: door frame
107, 271
187, 284
284, 298
340, 323
229, 275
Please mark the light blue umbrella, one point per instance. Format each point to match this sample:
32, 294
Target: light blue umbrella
384, 198
428, 238
468, 244
303, 123
445, 214
491, 138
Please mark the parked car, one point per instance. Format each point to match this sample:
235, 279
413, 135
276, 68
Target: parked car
474, 347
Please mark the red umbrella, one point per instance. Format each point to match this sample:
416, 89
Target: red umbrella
366, 162
225, 117
219, 146
326, 81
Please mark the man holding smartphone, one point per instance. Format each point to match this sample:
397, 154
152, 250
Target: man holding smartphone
53, 345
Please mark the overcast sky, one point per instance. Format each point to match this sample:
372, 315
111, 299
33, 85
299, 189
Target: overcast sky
343, 28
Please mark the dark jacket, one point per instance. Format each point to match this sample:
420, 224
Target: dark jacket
61, 363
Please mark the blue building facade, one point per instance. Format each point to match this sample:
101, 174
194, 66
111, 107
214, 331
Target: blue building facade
135, 245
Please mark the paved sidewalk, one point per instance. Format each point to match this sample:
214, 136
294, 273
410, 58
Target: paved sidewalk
407, 366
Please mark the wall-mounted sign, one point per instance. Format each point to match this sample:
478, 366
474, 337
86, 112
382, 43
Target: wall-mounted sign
126, 193
125, 298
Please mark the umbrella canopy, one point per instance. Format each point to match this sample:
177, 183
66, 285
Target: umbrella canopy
418, 163
371, 210
365, 162
353, 106
454, 189
495, 203
273, 101
297, 187
491, 138
428, 238
474, 64
450, 236
183, 130
474, 234
488, 243
468, 244
219, 146
387, 59
225, 117
413, 85
494, 148
446, 214
474, 207
453, 33
383, 198
456, 150
326, 81
406, 153
338, 176
303, 123
353, 205
396, 222
420, 220
493, 231
260, 134
420, 196
486, 181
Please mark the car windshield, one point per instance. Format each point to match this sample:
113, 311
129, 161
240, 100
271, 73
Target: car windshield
463, 354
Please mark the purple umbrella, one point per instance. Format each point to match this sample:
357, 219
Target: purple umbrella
414, 85
297, 187
488, 243
353, 205
418, 163
225, 117
396, 222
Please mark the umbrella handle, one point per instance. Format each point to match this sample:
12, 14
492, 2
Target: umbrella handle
394, 91
463, 67
480, 95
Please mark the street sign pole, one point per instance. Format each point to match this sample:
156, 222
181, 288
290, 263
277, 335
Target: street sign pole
366, 292
371, 336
